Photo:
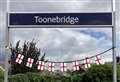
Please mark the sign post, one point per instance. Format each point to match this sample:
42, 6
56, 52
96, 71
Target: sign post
114, 41
50, 20
68, 20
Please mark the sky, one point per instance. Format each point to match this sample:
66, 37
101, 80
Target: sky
62, 44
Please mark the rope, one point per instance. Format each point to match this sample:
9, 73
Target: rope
83, 59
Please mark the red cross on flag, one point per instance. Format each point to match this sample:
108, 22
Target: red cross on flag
98, 60
52, 67
63, 67
29, 62
75, 66
87, 63
19, 58
41, 65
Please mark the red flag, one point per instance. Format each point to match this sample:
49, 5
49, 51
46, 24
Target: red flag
52, 67
63, 67
75, 66
87, 63
19, 58
29, 62
41, 65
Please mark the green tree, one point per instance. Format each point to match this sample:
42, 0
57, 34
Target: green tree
29, 50
53, 77
118, 72
65, 79
98, 73
1, 75
36, 77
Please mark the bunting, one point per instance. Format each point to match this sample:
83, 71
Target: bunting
75, 66
87, 63
41, 65
29, 62
63, 66
52, 67
98, 60
19, 58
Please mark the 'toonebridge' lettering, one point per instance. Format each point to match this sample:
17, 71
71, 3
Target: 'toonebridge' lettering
57, 19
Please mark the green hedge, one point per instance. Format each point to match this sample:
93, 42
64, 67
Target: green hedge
118, 73
98, 74
1, 75
18, 78
101, 73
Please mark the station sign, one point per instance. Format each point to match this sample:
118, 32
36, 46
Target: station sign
35, 19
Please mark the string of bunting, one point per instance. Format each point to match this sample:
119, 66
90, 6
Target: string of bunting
63, 65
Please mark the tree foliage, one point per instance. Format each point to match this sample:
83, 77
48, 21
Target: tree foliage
102, 73
29, 50
1, 75
98, 74
118, 72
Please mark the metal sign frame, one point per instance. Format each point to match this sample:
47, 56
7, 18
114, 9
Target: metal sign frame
50, 26
113, 28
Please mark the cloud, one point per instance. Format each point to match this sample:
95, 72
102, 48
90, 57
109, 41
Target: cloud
60, 6
61, 44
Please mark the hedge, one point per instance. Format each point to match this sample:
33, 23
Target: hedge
1, 75
101, 73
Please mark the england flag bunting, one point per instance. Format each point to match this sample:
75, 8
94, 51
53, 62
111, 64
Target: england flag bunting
75, 66
19, 58
87, 63
63, 67
29, 62
98, 60
41, 65
52, 67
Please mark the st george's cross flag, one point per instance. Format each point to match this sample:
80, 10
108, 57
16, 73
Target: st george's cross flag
63, 67
41, 65
87, 63
98, 60
75, 66
29, 62
19, 58
52, 67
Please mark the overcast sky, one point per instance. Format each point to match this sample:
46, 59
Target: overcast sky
62, 44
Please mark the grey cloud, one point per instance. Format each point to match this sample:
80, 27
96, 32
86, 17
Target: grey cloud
61, 44
54, 51
60, 6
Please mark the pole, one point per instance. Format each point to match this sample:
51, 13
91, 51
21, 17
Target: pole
114, 54
114, 41
7, 43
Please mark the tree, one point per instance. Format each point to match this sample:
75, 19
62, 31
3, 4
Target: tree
98, 74
29, 50
1, 75
118, 72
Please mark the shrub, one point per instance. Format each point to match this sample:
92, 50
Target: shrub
18, 78
118, 73
1, 75
29, 50
98, 74
101, 73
